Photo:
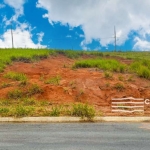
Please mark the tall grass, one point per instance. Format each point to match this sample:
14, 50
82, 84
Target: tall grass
25, 55
142, 68
16, 76
130, 55
104, 64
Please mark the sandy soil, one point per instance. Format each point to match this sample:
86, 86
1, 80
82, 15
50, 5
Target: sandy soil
79, 85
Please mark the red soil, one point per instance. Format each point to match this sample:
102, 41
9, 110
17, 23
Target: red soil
79, 85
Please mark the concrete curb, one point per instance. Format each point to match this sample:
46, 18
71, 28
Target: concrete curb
73, 119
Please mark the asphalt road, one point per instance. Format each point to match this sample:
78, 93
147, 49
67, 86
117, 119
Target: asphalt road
76, 136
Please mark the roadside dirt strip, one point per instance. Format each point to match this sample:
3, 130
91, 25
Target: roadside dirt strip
74, 119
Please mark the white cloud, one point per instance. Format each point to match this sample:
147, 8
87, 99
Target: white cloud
22, 38
141, 44
16, 4
98, 18
40, 36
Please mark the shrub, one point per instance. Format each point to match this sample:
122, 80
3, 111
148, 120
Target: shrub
83, 110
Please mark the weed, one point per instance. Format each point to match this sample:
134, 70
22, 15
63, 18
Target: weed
72, 84
5, 102
22, 111
29, 102
34, 89
121, 78
81, 92
107, 85
42, 77
4, 112
23, 83
56, 111
5, 85
54, 81
108, 75
119, 87
44, 103
83, 110
130, 79
16, 76
66, 89
15, 94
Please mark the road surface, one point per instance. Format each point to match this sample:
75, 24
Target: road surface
75, 136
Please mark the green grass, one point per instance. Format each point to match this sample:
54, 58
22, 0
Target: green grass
141, 68
22, 111
83, 110
53, 81
19, 94
34, 89
15, 94
108, 75
104, 64
30, 107
7, 56
119, 87
130, 55
16, 76
5, 85
56, 111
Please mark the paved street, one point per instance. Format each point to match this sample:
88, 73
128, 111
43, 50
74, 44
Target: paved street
75, 136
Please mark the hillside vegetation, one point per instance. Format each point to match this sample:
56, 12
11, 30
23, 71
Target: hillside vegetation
47, 82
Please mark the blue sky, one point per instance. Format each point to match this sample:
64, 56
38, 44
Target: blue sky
77, 24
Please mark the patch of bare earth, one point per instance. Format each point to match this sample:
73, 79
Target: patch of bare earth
79, 85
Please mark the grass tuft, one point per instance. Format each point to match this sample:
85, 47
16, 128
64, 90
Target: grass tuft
16, 76
83, 110
54, 80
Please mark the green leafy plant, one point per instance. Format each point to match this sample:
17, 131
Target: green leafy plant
83, 110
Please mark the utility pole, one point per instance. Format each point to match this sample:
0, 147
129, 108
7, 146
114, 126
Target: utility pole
115, 39
12, 36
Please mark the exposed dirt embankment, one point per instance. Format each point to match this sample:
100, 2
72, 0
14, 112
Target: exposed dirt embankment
77, 85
